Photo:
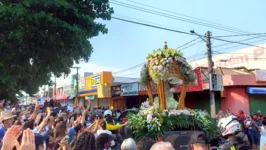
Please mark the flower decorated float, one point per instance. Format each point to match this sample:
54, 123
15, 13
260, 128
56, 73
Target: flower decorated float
167, 67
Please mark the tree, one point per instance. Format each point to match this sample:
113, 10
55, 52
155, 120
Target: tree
43, 37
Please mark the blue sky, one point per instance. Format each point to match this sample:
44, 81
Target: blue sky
127, 44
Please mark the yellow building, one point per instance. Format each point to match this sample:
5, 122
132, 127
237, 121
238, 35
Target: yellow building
97, 90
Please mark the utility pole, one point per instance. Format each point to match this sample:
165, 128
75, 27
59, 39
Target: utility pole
54, 87
210, 71
77, 79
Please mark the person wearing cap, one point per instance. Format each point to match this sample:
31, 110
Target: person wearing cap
110, 123
199, 141
7, 119
230, 129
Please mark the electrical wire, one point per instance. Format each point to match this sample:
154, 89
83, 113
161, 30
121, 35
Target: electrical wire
238, 45
153, 26
190, 45
183, 15
145, 21
240, 35
172, 16
236, 42
187, 43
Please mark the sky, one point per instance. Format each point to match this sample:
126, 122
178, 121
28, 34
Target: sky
128, 44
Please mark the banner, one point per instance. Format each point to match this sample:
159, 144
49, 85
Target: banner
130, 89
95, 81
197, 87
116, 90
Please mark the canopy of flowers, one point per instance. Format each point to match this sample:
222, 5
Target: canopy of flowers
153, 122
160, 61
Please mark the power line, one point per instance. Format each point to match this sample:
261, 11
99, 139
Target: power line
172, 16
187, 43
190, 45
184, 15
212, 25
240, 35
237, 42
169, 16
221, 45
239, 45
153, 26
145, 21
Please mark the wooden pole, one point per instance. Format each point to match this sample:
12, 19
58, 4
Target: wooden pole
161, 95
97, 101
149, 90
181, 102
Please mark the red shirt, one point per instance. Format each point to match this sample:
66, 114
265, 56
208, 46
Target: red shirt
241, 116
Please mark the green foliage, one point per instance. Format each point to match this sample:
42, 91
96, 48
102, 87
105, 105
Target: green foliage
144, 76
173, 120
43, 37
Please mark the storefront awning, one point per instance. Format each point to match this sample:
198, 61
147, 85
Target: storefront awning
256, 90
88, 93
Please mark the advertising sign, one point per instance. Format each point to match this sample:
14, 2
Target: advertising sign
216, 82
261, 75
130, 89
196, 87
115, 90
248, 57
95, 81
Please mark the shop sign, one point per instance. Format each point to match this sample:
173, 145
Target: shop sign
192, 88
95, 81
256, 90
247, 57
130, 89
216, 82
143, 89
89, 97
261, 75
116, 90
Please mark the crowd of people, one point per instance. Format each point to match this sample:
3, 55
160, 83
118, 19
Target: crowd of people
254, 126
53, 127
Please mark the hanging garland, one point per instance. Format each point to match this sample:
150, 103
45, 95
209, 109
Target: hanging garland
159, 62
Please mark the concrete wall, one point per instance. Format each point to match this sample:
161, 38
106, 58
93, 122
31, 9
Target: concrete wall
235, 99
241, 80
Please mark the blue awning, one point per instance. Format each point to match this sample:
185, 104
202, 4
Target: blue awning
256, 90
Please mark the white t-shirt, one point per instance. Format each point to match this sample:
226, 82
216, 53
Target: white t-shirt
248, 123
263, 137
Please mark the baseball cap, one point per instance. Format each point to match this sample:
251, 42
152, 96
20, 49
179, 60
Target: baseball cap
197, 138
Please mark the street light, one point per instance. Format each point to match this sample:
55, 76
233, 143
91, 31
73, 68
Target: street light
193, 32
